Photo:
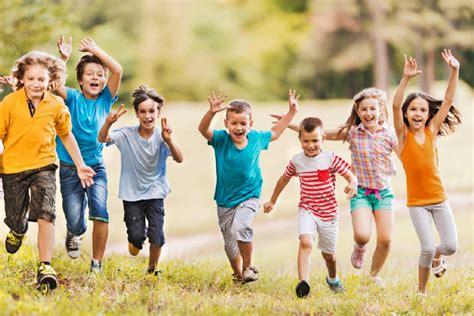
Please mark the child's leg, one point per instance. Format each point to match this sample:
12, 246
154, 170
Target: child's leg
384, 226
134, 218
330, 260
241, 228
327, 235
155, 214
16, 197
226, 218
100, 234
304, 256
245, 249
45, 240
362, 225
421, 219
444, 222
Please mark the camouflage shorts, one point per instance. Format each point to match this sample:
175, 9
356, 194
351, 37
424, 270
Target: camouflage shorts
19, 207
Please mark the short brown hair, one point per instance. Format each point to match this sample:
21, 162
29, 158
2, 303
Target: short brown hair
309, 124
88, 59
239, 106
143, 93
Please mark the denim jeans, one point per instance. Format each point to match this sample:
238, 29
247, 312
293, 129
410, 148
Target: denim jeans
76, 198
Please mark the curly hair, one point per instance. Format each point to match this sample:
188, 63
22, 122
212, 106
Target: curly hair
143, 93
55, 66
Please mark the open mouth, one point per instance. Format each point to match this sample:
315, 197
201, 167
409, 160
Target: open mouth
94, 85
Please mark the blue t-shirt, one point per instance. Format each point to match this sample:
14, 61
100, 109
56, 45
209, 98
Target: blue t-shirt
87, 117
238, 170
143, 171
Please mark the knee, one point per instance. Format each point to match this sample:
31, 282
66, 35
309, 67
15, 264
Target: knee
329, 258
306, 243
449, 249
384, 243
136, 239
362, 238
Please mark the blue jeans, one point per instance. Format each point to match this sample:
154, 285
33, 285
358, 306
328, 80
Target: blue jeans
76, 198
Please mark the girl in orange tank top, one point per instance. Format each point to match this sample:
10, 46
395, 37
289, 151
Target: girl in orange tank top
418, 121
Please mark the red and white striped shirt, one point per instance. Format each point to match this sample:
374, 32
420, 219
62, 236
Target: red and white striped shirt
318, 181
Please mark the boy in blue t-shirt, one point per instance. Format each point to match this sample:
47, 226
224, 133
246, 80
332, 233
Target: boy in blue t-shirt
239, 180
89, 108
143, 183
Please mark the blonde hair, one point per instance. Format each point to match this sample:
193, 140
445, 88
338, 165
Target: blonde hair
368, 93
56, 67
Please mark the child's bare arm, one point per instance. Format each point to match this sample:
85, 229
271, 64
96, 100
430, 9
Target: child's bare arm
88, 45
166, 134
84, 172
292, 126
111, 119
282, 124
281, 184
439, 118
351, 188
215, 106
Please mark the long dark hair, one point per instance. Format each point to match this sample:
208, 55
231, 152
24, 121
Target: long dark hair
450, 123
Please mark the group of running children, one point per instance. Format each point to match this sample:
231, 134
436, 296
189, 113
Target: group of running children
43, 118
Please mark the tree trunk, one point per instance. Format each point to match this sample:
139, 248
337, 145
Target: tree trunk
381, 65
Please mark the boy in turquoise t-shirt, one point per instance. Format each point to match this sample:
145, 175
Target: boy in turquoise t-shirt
239, 180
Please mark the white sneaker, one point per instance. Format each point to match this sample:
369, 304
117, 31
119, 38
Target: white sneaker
250, 274
73, 245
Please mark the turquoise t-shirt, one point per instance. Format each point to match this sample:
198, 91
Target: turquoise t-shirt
87, 117
238, 170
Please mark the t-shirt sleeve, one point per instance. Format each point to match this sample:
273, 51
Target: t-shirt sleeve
290, 170
393, 138
117, 136
4, 118
217, 137
108, 99
63, 121
339, 165
71, 95
265, 138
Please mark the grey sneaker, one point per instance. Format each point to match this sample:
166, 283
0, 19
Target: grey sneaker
96, 266
73, 245
250, 274
336, 287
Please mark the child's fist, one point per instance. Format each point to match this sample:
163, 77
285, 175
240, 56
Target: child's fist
268, 207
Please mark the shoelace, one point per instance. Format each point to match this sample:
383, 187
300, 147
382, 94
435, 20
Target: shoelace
75, 242
12, 239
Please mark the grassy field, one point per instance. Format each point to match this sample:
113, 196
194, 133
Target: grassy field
196, 276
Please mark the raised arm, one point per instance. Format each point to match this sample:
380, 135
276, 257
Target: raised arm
409, 71
166, 134
88, 45
443, 111
215, 105
84, 172
65, 49
111, 119
281, 184
282, 124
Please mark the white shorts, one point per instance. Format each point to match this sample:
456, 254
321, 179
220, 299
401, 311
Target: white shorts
308, 223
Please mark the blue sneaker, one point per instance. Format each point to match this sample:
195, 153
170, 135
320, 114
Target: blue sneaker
336, 287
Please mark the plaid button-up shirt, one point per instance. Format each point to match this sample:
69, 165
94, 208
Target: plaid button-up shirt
371, 155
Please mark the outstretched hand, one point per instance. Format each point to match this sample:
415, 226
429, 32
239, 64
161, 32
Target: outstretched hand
410, 68
7, 80
215, 102
87, 45
65, 48
115, 115
86, 174
450, 59
293, 100
278, 117
165, 130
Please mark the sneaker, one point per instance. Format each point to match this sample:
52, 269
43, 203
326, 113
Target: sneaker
132, 249
379, 282
440, 269
96, 266
237, 279
250, 274
13, 241
302, 289
358, 256
73, 245
156, 274
47, 276
336, 287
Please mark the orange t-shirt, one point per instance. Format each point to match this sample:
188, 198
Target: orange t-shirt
420, 161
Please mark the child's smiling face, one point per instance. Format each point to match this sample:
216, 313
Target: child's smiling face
238, 125
93, 80
147, 114
36, 80
417, 113
312, 142
368, 111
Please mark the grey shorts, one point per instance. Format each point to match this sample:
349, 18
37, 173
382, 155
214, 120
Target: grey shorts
235, 224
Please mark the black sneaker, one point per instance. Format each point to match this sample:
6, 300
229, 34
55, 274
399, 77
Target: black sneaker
47, 276
73, 245
13, 241
302, 289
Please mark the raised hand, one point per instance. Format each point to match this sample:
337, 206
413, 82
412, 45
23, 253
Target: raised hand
268, 207
7, 80
86, 174
215, 102
87, 45
165, 130
450, 59
115, 115
293, 100
65, 48
409, 68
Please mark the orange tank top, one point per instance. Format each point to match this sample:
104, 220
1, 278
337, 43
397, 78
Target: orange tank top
420, 161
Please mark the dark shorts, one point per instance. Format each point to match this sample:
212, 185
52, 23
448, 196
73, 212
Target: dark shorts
137, 231
20, 207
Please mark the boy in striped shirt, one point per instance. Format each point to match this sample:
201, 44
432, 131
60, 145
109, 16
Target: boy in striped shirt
317, 170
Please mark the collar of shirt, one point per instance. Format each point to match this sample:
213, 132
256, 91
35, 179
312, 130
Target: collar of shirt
361, 127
